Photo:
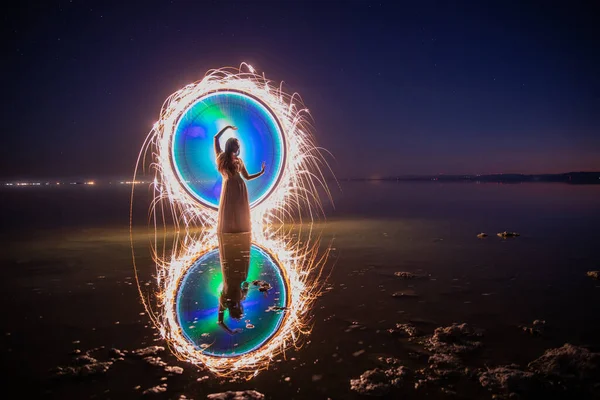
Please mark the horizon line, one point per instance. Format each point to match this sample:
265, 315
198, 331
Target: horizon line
371, 177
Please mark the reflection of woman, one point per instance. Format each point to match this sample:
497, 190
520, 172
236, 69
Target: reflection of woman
234, 208
234, 251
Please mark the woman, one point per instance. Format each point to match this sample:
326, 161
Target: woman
234, 207
234, 251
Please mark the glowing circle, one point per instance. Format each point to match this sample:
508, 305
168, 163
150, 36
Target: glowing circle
197, 306
260, 135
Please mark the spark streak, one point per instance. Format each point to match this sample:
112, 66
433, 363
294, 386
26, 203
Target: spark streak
294, 199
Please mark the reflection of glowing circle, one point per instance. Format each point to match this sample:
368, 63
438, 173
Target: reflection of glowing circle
198, 304
260, 135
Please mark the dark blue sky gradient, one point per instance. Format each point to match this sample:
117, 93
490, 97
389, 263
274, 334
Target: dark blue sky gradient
394, 87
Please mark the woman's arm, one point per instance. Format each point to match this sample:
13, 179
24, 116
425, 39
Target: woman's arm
222, 322
218, 136
249, 177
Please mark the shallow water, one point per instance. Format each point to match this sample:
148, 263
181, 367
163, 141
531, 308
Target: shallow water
68, 277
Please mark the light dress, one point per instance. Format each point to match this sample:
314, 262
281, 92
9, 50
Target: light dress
234, 207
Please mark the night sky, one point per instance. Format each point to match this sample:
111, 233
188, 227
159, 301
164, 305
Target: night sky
394, 88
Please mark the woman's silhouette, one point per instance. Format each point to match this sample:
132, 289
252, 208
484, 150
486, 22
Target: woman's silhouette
234, 207
234, 251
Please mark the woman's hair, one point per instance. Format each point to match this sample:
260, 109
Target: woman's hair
225, 161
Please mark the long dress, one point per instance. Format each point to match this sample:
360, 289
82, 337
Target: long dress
234, 253
234, 207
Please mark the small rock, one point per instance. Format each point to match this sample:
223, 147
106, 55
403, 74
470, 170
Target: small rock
409, 275
239, 395
379, 381
174, 369
116, 353
507, 234
482, 235
95, 368
372, 382
531, 331
536, 329
148, 351
405, 330
593, 274
404, 295
405, 275
85, 359
155, 361
156, 389
263, 286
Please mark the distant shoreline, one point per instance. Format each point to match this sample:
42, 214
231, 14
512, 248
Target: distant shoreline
579, 178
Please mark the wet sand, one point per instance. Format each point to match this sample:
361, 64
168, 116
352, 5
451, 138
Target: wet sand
68, 284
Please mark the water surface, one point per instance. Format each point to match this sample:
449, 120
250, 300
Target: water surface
68, 282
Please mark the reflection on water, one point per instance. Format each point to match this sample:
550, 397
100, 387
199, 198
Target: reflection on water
231, 301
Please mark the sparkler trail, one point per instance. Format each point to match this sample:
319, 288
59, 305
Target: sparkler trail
291, 198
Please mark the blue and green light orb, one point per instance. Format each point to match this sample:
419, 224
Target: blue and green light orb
197, 306
260, 135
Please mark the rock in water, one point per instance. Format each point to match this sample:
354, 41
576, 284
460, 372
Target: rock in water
148, 351
442, 363
482, 235
156, 389
95, 368
404, 295
379, 381
372, 382
456, 338
405, 330
536, 329
594, 274
507, 234
173, 369
263, 286
84, 360
239, 395
410, 275
445, 367
155, 361
405, 275
568, 363
510, 381
117, 353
